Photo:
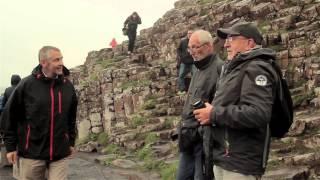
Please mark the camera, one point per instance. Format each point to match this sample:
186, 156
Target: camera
199, 104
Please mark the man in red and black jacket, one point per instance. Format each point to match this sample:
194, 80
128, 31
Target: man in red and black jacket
39, 120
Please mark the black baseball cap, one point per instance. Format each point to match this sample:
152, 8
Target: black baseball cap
246, 29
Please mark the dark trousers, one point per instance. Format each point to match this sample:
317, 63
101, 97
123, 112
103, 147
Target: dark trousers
184, 69
190, 164
132, 38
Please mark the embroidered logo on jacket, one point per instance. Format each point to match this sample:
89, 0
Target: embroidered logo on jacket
261, 80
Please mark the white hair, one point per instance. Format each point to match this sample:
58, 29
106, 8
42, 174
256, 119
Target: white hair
43, 52
204, 36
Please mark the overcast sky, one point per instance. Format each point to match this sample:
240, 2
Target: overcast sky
74, 26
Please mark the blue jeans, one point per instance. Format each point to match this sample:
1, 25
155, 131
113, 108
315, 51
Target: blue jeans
190, 164
184, 69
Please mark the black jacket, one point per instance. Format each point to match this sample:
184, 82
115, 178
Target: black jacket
132, 23
242, 111
182, 52
202, 86
15, 79
39, 119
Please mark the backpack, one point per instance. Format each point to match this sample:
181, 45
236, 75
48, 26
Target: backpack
125, 31
282, 109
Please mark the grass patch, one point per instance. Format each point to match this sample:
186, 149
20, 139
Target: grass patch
136, 83
263, 26
90, 137
103, 138
306, 97
136, 121
149, 104
168, 172
277, 47
145, 153
169, 122
106, 63
112, 149
151, 138
94, 77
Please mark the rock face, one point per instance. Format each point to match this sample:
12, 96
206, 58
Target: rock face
129, 96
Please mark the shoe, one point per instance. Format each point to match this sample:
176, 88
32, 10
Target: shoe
181, 93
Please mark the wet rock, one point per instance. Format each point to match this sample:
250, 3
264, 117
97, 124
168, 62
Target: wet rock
122, 163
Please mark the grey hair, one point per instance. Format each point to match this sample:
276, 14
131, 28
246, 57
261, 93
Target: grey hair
43, 52
204, 36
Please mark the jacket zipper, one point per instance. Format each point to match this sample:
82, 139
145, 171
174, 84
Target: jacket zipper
27, 138
60, 101
52, 120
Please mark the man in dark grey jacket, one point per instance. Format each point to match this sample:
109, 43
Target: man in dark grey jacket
242, 107
202, 87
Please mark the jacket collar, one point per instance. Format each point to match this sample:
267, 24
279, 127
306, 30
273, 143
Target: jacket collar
37, 73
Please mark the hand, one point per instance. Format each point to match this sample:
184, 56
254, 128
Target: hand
72, 151
203, 114
12, 157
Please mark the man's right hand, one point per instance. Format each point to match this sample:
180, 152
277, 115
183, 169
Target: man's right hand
12, 157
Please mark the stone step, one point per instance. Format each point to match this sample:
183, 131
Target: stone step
292, 173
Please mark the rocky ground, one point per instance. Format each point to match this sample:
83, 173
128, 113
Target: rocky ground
84, 167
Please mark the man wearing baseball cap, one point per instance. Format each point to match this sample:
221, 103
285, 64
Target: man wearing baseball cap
242, 107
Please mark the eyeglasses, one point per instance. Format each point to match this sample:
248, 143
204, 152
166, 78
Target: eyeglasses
192, 48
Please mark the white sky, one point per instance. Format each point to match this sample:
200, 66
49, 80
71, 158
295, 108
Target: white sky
74, 26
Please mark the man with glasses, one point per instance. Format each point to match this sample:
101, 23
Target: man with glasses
242, 106
39, 120
202, 88
184, 63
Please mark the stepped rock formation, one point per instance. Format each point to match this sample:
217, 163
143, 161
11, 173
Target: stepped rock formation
128, 97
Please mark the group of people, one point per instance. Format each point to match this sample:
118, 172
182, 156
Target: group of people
224, 132
228, 136
38, 121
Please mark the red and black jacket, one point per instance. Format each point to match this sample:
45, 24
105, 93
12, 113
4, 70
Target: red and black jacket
39, 119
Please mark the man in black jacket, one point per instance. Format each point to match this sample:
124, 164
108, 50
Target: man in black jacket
132, 24
39, 120
15, 79
202, 87
184, 63
241, 110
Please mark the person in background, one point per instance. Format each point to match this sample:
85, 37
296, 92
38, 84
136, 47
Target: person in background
132, 24
15, 79
184, 63
113, 43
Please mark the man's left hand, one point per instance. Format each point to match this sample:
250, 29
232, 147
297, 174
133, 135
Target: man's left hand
203, 115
